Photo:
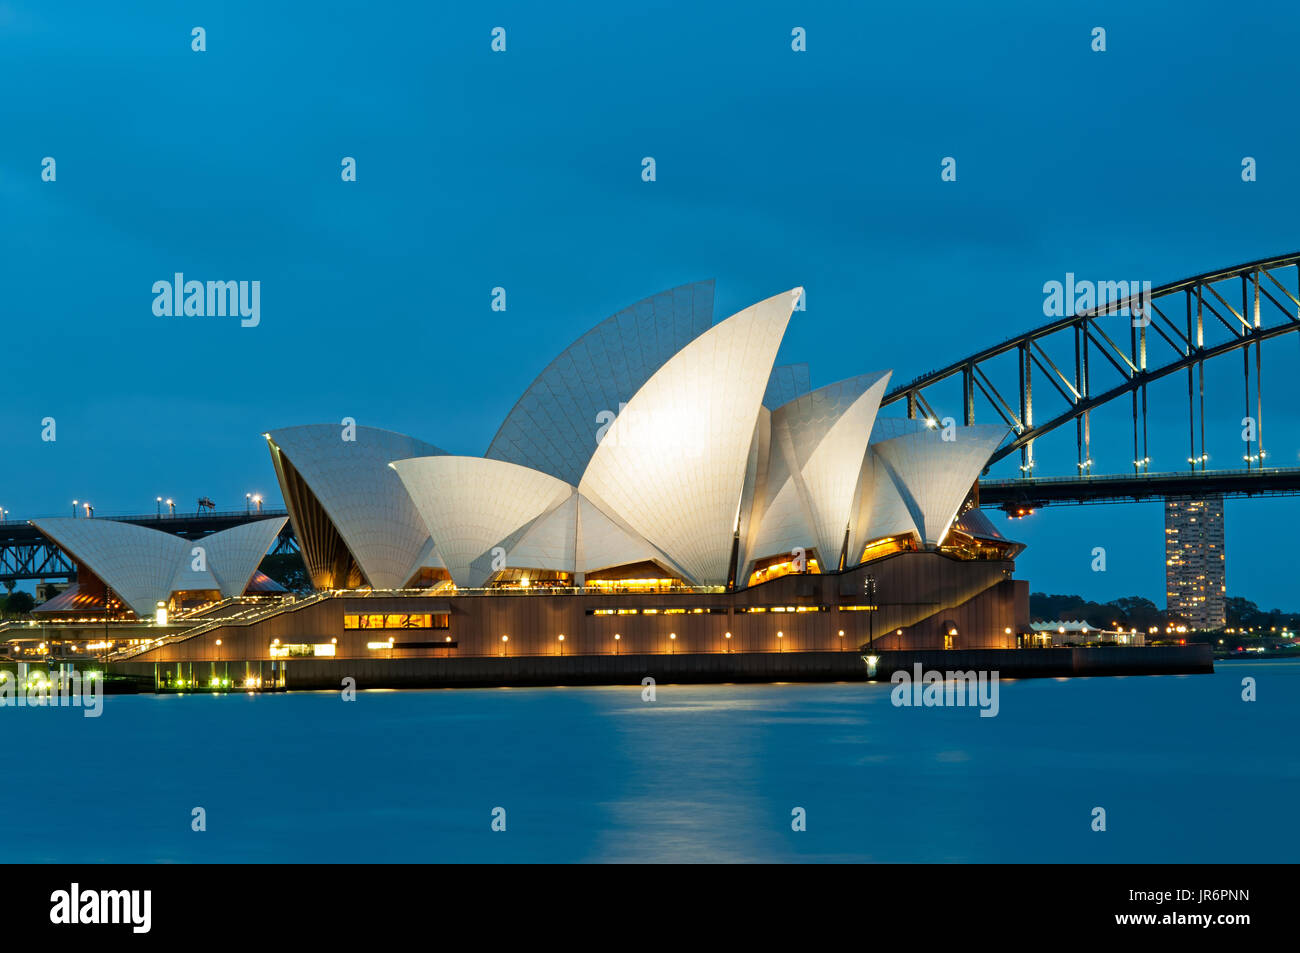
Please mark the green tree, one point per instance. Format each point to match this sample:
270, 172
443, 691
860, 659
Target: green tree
18, 603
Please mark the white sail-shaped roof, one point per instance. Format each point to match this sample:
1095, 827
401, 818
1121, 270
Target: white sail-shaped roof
361, 497
553, 426
784, 526
824, 436
550, 541
886, 428
754, 497
786, 383
189, 579
934, 475
471, 504
672, 465
882, 511
138, 564
234, 554
603, 544
145, 566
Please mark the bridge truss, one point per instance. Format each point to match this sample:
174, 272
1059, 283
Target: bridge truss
1179, 327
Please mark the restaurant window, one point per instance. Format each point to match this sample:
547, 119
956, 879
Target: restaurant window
397, 620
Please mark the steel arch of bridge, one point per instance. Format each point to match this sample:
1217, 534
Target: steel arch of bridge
1216, 317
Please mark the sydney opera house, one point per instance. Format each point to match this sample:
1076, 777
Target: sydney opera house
661, 487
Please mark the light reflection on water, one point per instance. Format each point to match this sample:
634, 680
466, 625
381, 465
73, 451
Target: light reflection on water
703, 773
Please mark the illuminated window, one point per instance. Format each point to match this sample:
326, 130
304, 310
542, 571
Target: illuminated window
295, 650
905, 542
398, 620
778, 566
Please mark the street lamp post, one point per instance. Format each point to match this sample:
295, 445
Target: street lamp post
869, 586
158, 506
108, 597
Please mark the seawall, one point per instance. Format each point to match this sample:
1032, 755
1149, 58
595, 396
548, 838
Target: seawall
704, 668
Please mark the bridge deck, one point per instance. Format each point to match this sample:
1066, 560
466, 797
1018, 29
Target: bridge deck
1128, 488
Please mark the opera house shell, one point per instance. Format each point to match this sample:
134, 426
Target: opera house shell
658, 447
661, 486
136, 569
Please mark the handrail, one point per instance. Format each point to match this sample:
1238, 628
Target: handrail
261, 612
1165, 474
239, 619
537, 590
264, 513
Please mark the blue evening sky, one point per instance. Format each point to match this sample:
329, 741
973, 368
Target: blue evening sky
522, 170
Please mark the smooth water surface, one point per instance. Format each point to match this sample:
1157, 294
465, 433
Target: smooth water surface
1185, 769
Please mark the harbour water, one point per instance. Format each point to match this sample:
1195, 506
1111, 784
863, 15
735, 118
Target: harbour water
1184, 768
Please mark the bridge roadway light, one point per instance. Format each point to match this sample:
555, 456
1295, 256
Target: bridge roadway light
74, 509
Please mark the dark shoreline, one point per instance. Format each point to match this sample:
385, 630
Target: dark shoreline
713, 668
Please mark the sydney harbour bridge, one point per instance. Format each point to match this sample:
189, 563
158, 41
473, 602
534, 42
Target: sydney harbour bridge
1097, 360
1095, 372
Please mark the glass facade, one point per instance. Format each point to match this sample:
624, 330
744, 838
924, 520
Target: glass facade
397, 620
